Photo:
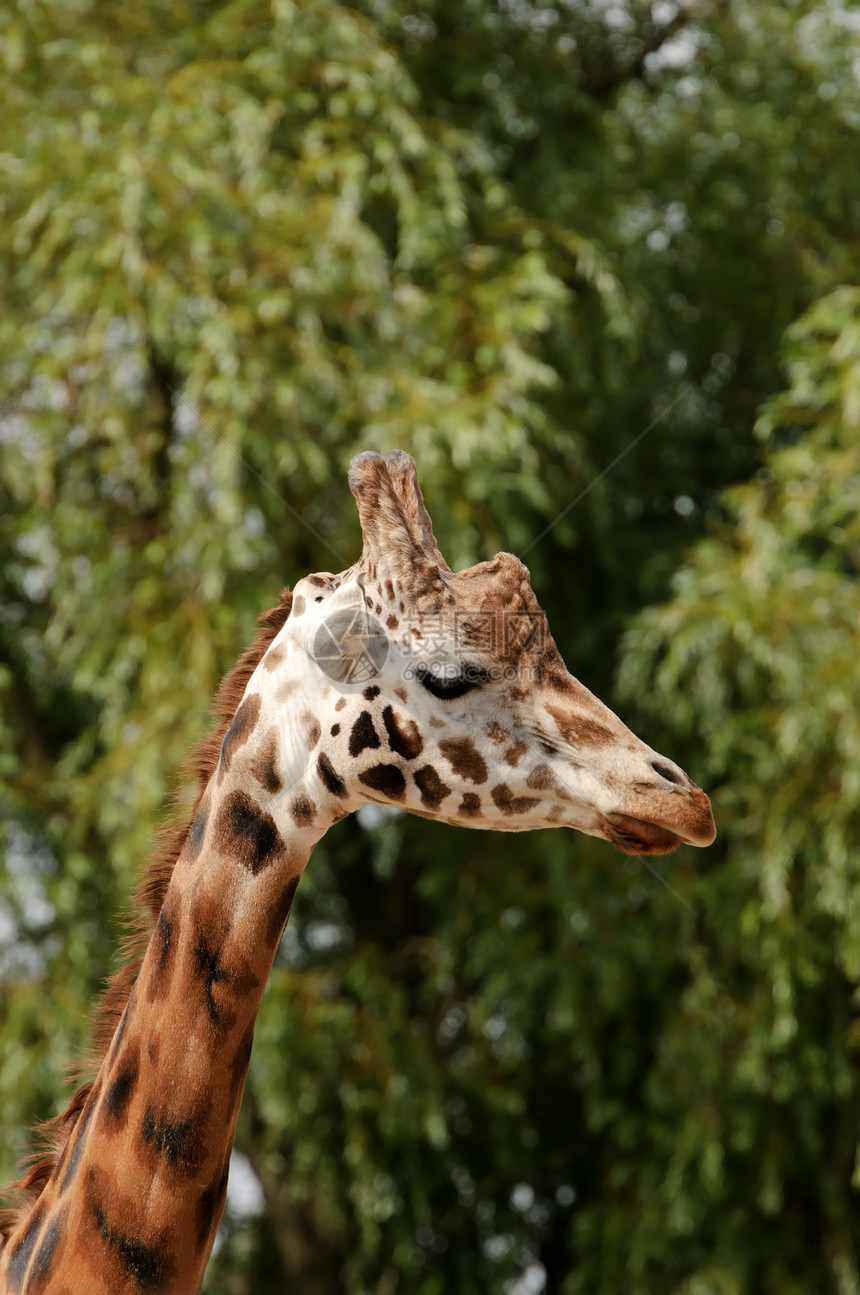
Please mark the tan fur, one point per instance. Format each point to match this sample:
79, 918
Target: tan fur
52, 1136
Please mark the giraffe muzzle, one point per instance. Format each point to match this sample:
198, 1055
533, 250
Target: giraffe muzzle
672, 819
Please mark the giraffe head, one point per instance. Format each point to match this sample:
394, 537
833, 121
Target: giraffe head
443, 693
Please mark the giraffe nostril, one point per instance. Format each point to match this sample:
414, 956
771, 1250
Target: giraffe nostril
665, 772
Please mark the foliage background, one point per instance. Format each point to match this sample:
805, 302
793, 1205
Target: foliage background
506, 237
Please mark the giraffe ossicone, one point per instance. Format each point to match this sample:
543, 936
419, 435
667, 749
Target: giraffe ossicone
398, 682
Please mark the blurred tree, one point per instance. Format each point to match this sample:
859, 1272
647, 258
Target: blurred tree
506, 238
756, 1080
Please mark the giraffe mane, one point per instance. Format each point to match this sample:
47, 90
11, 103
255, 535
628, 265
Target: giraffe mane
52, 1135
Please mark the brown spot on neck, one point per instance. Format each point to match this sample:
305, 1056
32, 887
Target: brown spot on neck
286, 690
312, 729
241, 728
197, 830
164, 941
275, 656
264, 764
331, 779
302, 810
247, 834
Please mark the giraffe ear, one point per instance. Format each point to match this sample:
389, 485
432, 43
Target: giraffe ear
404, 479
347, 642
395, 525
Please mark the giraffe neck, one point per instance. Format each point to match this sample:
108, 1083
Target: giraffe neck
135, 1199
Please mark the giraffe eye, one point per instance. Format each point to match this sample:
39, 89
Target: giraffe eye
447, 686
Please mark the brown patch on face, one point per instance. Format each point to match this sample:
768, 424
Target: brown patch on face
241, 728
363, 736
339, 705
433, 790
578, 729
389, 591
299, 606
263, 766
402, 694
435, 722
403, 736
312, 729
464, 758
303, 811
470, 805
317, 582
513, 753
331, 779
335, 729
386, 779
541, 777
286, 690
505, 800
248, 834
392, 622
559, 680
496, 733
370, 693
275, 656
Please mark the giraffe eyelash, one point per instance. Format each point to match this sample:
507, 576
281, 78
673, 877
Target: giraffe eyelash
447, 689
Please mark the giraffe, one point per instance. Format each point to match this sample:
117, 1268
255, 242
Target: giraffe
397, 682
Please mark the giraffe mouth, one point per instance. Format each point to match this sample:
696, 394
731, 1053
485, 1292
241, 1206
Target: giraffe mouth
634, 836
